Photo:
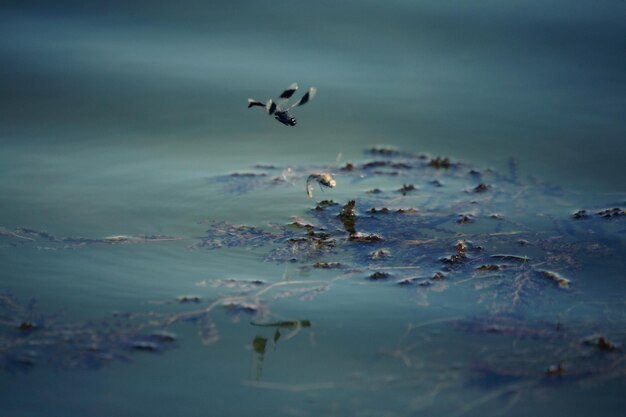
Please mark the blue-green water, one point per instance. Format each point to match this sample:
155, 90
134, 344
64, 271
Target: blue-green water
124, 119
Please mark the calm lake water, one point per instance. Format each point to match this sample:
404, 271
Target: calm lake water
121, 126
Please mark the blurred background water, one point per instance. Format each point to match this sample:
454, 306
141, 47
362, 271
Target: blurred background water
113, 115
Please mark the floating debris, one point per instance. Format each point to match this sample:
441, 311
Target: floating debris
439, 162
609, 213
241, 307
612, 213
27, 325
53, 242
232, 283
379, 254
555, 370
511, 258
324, 204
347, 167
145, 346
456, 259
290, 324
465, 218
375, 164
557, 278
364, 238
507, 288
327, 265
248, 174
164, 336
154, 342
348, 217
481, 188
384, 150
509, 326
383, 210
600, 342
488, 268
412, 281
438, 276
348, 211
189, 299
222, 234
378, 275
407, 188
265, 166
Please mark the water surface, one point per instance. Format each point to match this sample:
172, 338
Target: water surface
119, 119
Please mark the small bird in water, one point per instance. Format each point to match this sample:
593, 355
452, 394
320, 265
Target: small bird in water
322, 178
280, 108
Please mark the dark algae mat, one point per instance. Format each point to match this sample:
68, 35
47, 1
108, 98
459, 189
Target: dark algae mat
522, 260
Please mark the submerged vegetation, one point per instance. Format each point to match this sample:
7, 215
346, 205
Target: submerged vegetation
429, 226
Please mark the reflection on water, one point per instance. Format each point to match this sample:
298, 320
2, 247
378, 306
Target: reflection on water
259, 343
165, 232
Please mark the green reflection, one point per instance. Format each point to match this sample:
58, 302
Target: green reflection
259, 343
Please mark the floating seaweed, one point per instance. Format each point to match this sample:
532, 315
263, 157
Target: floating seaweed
557, 278
52, 341
375, 276
608, 213
220, 234
48, 241
508, 243
480, 188
489, 268
612, 213
184, 299
465, 218
348, 217
601, 342
440, 162
327, 265
29, 338
406, 188
380, 254
290, 324
243, 182
245, 284
389, 151
325, 204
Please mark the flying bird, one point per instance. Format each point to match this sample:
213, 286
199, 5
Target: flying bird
280, 108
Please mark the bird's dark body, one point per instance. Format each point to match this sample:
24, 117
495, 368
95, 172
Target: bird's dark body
285, 118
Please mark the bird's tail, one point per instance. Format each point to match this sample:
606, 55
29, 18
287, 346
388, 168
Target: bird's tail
270, 106
252, 102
